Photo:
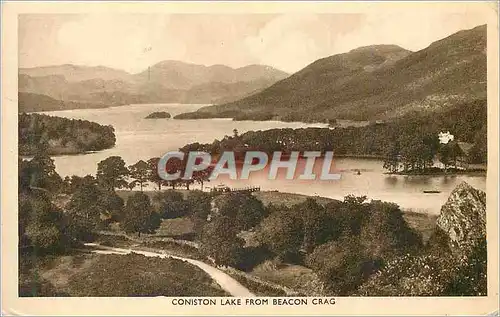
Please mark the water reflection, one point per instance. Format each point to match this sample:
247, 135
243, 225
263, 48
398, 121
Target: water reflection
391, 180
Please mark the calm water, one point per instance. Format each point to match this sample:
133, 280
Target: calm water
139, 138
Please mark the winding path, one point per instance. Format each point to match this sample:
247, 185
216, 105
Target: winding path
225, 281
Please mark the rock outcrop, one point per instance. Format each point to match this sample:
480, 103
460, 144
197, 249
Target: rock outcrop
463, 219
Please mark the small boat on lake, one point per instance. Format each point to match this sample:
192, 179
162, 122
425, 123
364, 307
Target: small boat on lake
432, 191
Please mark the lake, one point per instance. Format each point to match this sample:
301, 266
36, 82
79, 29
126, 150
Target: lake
138, 138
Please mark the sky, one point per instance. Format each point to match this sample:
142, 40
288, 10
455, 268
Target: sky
289, 42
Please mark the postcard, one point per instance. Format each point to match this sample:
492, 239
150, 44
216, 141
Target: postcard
249, 158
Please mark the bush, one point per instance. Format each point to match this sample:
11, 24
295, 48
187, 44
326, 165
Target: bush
431, 275
139, 215
220, 241
247, 210
170, 204
282, 233
363, 237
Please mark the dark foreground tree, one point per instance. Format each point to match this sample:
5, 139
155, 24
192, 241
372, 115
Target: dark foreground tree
170, 204
220, 242
111, 173
139, 172
39, 172
139, 215
153, 172
244, 208
282, 232
41, 223
199, 206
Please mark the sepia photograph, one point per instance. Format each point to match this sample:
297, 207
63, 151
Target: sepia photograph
239, 159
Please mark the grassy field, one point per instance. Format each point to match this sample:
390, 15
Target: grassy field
178, 227
288, 199
88, 274
125, 194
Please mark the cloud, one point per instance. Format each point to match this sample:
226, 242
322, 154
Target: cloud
286, 41
412, 29
292, 41
131, 42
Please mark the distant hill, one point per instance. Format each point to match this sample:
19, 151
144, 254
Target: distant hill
180, 75
168, 81
77, 73
29, 102
374, 82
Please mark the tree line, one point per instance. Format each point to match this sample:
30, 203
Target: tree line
55, 135
344, 242
47, 224
409, 144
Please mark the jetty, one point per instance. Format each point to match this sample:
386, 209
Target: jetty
227, 189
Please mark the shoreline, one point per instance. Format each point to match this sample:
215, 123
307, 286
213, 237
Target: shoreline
474, 172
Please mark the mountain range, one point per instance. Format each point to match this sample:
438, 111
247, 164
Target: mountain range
74, 86
366, 83
373, 82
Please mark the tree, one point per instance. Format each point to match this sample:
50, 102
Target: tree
111, 173
313, 222
341, 265
478, 153
40, 172
112, 204
41, 223
187, 183
139, 172
247, 210
131, 185
153, 172
392, 157
171, 204
85, 210
219, 241
414, 152
449, 153
282, 232
199, 207
202, 176
139, 215
75, 182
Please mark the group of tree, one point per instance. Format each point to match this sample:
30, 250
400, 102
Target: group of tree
231, 213
417, 154
407, 143
55, 135
45, 225
113, 173
344, 242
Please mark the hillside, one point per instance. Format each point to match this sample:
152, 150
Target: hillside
165, 82
76, 73
29, 102
375, 82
